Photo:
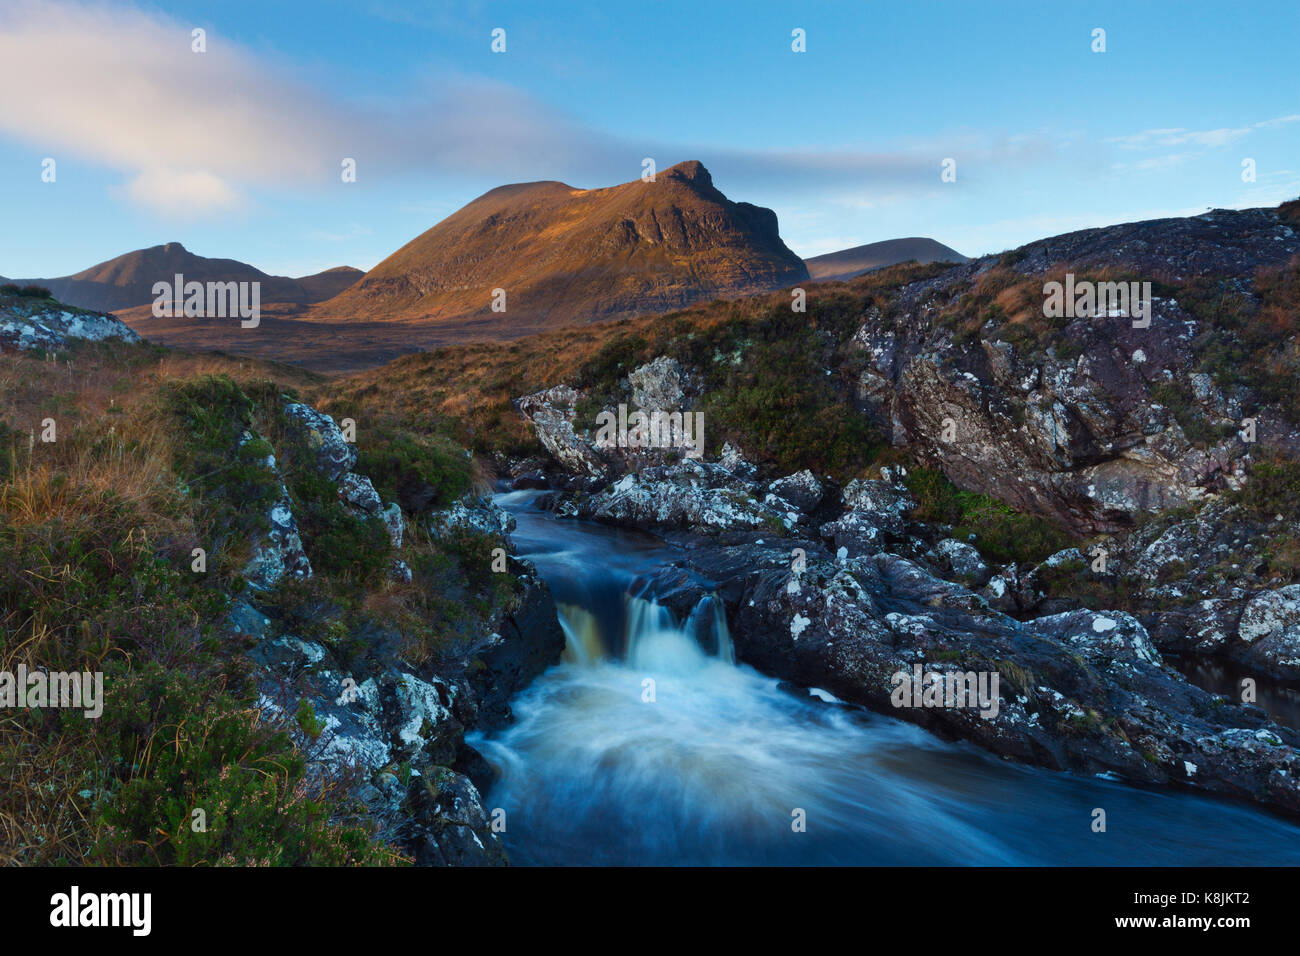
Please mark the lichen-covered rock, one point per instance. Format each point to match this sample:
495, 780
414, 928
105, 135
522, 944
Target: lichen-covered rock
1270, 626
358, 492
658, 385
480, 515
854, 533
692, 496
1100, 636
881, 502
734, 461
321, 435
962, 561
393, 521
801, 489
552, 413
278, 553
44, 324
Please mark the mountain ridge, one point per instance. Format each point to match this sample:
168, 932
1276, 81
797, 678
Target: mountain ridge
569, 255
847, 263
126, 281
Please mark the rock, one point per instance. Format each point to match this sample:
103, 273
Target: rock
883, 503
448, 812
530, 640
733, 460
692, 496
481, 516
247, 621
1270, 627
962, 560
45, 324
855, 533
392, 518
418, 715
357, 491
1101, 636
801, 489
334, 456
552, 414
530, 480
658, 385
279, 553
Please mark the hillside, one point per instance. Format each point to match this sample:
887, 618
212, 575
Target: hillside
848, 263
1136, 420
228, 560
1073, 501
127, 281
566, 256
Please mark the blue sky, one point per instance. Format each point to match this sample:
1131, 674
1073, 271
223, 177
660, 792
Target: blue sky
236, 152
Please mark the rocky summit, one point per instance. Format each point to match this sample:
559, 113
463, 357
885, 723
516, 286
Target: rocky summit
563, 256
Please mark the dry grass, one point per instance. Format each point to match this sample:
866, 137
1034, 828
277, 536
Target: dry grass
83, 522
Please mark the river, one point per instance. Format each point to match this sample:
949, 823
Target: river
644, 748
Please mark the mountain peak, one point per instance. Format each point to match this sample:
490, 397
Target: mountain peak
566, 256
691, 170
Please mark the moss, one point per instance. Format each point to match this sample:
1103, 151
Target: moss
1000, 532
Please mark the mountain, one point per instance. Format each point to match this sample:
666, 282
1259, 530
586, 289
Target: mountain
567, 256
848, 263
127, 280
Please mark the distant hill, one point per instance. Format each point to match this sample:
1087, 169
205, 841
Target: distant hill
127, 280
848, 263
567, 256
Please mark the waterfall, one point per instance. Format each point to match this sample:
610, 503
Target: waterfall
708, 623
583, 643
648, 745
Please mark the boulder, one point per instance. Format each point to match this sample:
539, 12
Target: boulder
658, 385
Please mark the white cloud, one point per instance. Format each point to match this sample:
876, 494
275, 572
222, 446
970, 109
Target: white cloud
192, 132
1209, 138
179, 193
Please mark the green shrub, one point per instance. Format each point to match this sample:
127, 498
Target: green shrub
1273, 488
403, 467
230, 483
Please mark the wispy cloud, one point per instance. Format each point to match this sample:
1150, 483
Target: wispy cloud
196, 133
1210, 138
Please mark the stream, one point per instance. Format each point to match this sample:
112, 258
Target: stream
649, 745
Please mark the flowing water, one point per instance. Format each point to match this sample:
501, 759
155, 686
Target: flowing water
648, 744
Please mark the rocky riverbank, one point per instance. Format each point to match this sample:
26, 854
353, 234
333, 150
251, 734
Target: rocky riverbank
1066, 504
